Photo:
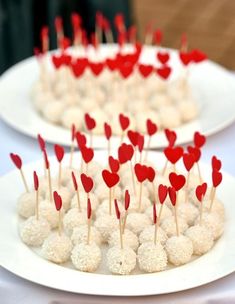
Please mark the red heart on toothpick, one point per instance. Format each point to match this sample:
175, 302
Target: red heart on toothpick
16, 160
35, 180
57, 200
162, 193
125, 153
196, 153
90, 122
173, 154
177, 180
201, 191
41, 142
188, 160
140, 142
81, 139
78, 69
163, 57
171, 137
114, 164
127, 199
111, 64
133, 137
151, 174
216, 178
75, 184
96, 67
172, 195
126, 70
87, 182
124, 121
118, 215
59, 152
107, 130
185, 58
154, 214
164, 72
47, 164
89, 210
141, 172
198, 56
87, 154
151, 127
145, 70
216, 163
110, 179
199, 140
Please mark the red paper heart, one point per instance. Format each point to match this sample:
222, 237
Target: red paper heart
57, 200
163, 57
81, 139
198, 56
151, 174
59, 152
154, 214
57, 61
171, 137
87, 182
133, 137
188, 160
173, 154
73, 132
118, 215
124, 121
201, 191
216, 163
177, 180
164, 72
151, 127
162, 193
199, 140
89, 210
107, 130
141, 172
216, 178
35, 180
75, 184
172, 195
196, 153
47, 164
145, 70
87, 154
185, 58
41, 142
114, 164
16, 160
96, 67
125, 153
90, 122
126, 70
157, 37
110, 179
111, 64
127, 199
58, 24
78, 69
140, 142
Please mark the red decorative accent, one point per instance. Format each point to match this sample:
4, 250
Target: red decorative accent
118, 215
201, 191
81, 139
57, 200
125, 153
58, 24
47, 164
78, 69
124, 121
151, 127
151, 174
89, 210
110, 179
216, 178
164, 72
127, 199
107, 130
195, 151
154, 214
198, 56
145, 70
126, 69
173, 154
75, 184
114, 164
99, 19
163, 57
96, 67
112, 64
185, 58
87, 182
162, 193
140, 142
188, 160
76, 21
171, 137
177, 180
133, 137
157, 37
199, 140
41, 142
172, 195
35, 180
119, 22
90, 122
216, 163
141, 172
87, 154
59, 151
16, 160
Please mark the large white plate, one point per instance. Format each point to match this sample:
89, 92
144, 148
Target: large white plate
213, 87
21, 260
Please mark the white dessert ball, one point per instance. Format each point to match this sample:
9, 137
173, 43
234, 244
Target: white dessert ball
136, 222
106, 224
83, 201
188, 211
66, 175
73, 218
188, 110
151, 257
57, 248
169, 226
147, 235
48, 211
42, 99
217, 207
201, 238
44, 185
129, 239
73, 115
100, 117
26, 204
80, 233
121, 260
166, 212
213, 222
170, 117
86, 257
102, 192
53, 111
34, 231
88, 103
179, 250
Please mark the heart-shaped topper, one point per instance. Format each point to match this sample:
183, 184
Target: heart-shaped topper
154, 214
127, 200
173, 154
126, 69
81, 139
73, 132
87, 182
78, 69
199, 140
201, 191
145, 70
90, 122
185, 58
58, 24
16, 160
96, 67
162, 193
198, 56
188, 160
76, 21
75, 184
110, 179
141, 172
35, 180
124, 121
59, 152
171, 136
114, 164
118, 214
172, 195
216, 163
46, 161
89, 209
125, 153
140, 142
216, 178
164, 72
41, 142
157, 37
57, 200
177, 180
87, 154
196, 153
163, 57
107, 130
133, 137
112, 64
151, 174
151, 127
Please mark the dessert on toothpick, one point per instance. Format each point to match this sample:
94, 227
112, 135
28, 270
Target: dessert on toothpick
151, 130
108, 134
90, 125
111, 179
59, 152
124, 124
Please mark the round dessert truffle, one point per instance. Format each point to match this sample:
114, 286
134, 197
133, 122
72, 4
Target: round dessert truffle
79, 235
53, 111
33, 232
83, 201
106, 224
169, 226
134, 204
48, 211
179, 250
86, 257
166, 115
151, 257
188, 110
188, 211
102, 192
104, 208
72, 115
73, 218
217, 207
121, 261
26, 204
147, 235
201, 238
57, 248
213, 222
129, 239
136, 222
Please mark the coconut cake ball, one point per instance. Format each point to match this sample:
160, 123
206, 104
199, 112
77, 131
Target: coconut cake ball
79, 235
44, 186
48, 211
121, 260
104, 208
188, 211
106, 224
147, 235
201, 238
151, 257
34, 231
136, 222
74, 218
129, 239
83, 201
53, 111
134, 204
72, 115
166, 115
26, 204
57, 248
213, 222
217, 207
102, 192
166, 212
169, 226
179, 250
188, 110
86, 257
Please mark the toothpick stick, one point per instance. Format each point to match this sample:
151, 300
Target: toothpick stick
88, 231
60, 224
133, 177
147, 148
176, 217
124, 221
187, 187
164, 168
140, 196
59, 175
212, 198
71, 155
201, 209
121, 232
110, 201
49, 183
36, 209
199, 173
24, 180
91, 138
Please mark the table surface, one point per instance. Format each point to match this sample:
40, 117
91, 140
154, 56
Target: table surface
16, 290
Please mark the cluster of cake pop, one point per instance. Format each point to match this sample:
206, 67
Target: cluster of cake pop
124, 210
104, 80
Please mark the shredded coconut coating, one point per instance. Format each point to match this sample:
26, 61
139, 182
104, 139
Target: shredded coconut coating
179, 250
147, 235
188, 211
57, 249
80, 233
104, 208
26, 204
48, 211
201, 238
73, 218
121, 261
134, 205
213, 222
33, 232
83, 201
169, 226
151, 257
86, 257
136, 222
102, 192
166, 212
106, 224
129, 239
217, 207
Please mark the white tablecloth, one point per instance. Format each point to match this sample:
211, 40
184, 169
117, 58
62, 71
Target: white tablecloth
16, 290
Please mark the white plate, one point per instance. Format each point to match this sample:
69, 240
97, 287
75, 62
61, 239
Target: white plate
213, 87
21, 260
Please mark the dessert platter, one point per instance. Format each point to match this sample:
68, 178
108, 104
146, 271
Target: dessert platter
177, 89
121, 221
